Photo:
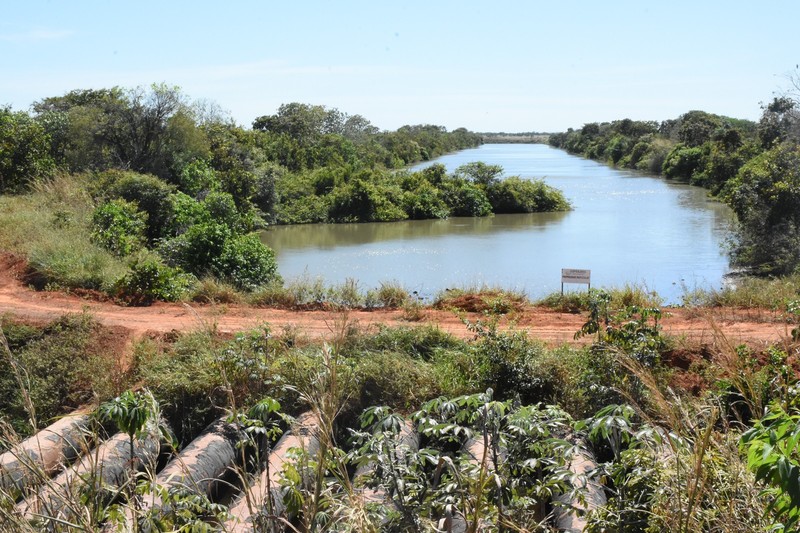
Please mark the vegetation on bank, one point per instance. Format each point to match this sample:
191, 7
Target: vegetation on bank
679, 446
141, 193
752, 166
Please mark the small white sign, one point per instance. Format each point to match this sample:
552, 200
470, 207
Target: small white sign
575, 275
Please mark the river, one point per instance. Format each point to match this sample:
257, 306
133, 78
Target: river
627, 228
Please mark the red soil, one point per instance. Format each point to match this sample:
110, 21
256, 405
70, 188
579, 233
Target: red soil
691, 327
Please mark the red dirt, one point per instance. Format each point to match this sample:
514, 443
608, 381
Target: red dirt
692, 327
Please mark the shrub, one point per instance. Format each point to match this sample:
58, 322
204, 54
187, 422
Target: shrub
246, 262
683, 162
222, 210
365, 201
186, 212
424, 202
198, 177
466, 199
57, 372
196, 250
150, 279
519, 367
119, 227
152, 195
393, 378
516, 195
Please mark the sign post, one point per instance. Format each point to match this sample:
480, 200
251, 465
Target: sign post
575, 275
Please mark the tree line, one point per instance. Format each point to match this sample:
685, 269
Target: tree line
752, 166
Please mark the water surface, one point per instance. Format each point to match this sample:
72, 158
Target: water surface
625, 227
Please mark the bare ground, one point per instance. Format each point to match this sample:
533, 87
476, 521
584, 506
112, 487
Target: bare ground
692, 327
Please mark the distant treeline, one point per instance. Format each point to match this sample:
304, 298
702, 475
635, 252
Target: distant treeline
752, 166
513, 138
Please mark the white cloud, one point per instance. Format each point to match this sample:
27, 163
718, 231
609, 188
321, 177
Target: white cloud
36, 35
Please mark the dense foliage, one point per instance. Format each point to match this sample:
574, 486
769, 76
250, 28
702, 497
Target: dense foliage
751, 166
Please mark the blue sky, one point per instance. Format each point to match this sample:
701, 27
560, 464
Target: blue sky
487, 66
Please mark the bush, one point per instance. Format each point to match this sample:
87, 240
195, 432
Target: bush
198, 177
186, 212
246, 262
196, 250
57, 369
393, 378
466, 199
515, 195
519, 367
222, 210
365, 201
424, 202
150, 279
683, 162
119, 227
151, 195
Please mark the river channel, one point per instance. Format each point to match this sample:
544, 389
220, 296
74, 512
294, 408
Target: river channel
627, 228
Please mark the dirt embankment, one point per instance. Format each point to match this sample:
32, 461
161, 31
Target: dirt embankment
694, 326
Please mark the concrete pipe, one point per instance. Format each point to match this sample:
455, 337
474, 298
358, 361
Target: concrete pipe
572, 518
37, 458
106, 467
407, 439
304, 435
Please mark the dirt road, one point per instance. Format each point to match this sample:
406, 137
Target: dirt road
694, 326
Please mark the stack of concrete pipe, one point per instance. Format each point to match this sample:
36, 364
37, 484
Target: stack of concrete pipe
106, 467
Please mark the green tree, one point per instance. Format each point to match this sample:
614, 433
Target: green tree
696, 127
780, 121
149, 131
24, 151
765, 195
480, 173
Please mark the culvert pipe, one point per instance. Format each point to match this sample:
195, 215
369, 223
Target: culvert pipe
38, 457
476, 454
200, 468
406, 440
206, 460
304, 435
104, 469
571, 517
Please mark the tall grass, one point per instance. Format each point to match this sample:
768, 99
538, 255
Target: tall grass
748, 293
306, 292
51, 226
625, 296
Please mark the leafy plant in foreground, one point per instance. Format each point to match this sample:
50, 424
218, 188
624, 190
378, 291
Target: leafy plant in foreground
773, 455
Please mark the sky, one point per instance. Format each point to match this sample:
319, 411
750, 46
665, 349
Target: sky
513, 66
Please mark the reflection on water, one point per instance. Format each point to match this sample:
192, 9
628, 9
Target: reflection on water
327, 236
625, 227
